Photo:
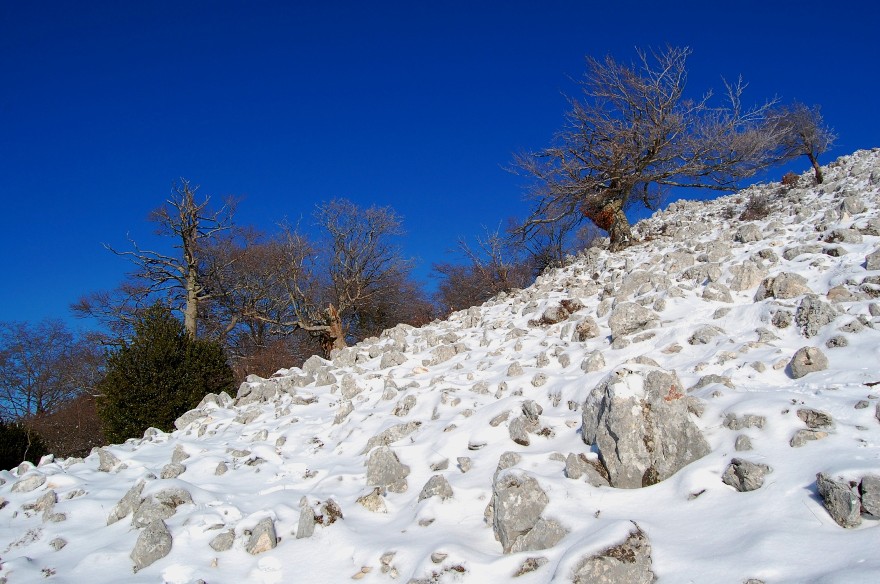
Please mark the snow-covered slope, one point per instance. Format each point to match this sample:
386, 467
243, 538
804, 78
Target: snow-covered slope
448, 400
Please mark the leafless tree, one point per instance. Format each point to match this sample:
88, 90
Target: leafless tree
803, 133
193, 226
494, 264
42, 367
633, 134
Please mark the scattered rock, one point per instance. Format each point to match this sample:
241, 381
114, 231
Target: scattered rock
437, 486
385, 470
517, 502
783, 285
801, 437
807, 360
127, 504
372, 501
744, 476
629, 317
586, 329
153, 543
578, 465
106, 460
628, 562
840, 500
639, 421
29, 483
262, 538
815, 419
812, 314
223, 541
742, 443
869, 489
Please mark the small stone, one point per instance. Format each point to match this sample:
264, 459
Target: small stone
807, 360
372, 501
801, 437
464, 463
815, 419
223, 541
262, 538
58, 543
437, 486
172, 470
744, 476
742, 443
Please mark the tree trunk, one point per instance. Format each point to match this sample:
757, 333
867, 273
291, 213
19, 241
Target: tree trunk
334, 337
620, 233
191, 310
817, 170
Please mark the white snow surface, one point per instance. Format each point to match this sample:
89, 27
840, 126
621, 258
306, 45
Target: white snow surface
289, 444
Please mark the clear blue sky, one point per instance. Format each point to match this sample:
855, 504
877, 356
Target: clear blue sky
411, 104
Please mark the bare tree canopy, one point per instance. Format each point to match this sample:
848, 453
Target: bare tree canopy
42, 367
803, 133
633, 133
193, 226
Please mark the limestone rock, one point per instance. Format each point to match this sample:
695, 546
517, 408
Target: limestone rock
745, 276
517, 502
437, 486
306, 525
129, 502
153, 543
106, 460
223, 541
628, 562
263, 537
578, 465
29, 483
629, 317
638, 418
840, 500
872, 260
744, 476
385, 470
815, 419
807, 360
586, 329
783, 285
812, 314
869, 489
801, 437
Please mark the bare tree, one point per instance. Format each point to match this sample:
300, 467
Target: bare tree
803, 133
193, 226
633, 134
494, 264
42, 367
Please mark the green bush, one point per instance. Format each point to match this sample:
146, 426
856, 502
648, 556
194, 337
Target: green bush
160, 375
19, 443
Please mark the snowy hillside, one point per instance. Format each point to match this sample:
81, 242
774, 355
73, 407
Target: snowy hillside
457, 452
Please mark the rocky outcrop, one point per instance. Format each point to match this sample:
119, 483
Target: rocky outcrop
638, 419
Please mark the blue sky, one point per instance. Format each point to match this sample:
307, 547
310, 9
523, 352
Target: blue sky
417, 105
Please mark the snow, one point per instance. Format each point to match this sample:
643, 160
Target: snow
700, 529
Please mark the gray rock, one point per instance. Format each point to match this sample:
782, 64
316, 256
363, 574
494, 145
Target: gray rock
629, 317
127, 504
545, 534
391, 435
586, 329
578, 465
263, 537
58, 543
385, 470
172, 470
840, 500
638, 419
514, 369
782, 319
517, 501
464, 463
106, 460
437, 486
442, 354
306, 525
29, 483
853, 205
745, 276
783, 285
519, 429
844, 236
742, 443
392, 359
869, 489
554, 314
188, 418
807, 360
748, 233
153, 543
628, 562
223, 541
593, 362
872, 260
372, 501
801, 437
349, 386
704, 335
812, 314
404, 406
815, 419
744, 476
149, 511
314, 364
342, 412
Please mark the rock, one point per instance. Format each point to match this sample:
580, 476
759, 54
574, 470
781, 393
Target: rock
629, 317
704, 335
153, 543
530, 565
188, 418
748, 233
262, 538
586, 329
29, 483
519, 429
840, 500
442, 354
783, 285
392, 359
812, 314
58, 543
801, 437
223, 541
628, 562
744, 476
745, 276
437, 486
545, 534
464, 463
872, 260
372, 501
391, 435
106, 460
172, 470
742, 443
639, 421
844, 236
385, 470
349, 386
717, 292
578, 465
514, 369
593, 362
733, 422
517, 502
127, 504
807, 360
404, 406
149, 511
869, 489
852, 205
814, 418
554, 315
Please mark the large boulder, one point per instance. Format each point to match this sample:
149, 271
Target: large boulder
782, 286
384, 470
153, 543
517, 503
638, 419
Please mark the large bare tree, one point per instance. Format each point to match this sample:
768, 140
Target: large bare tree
633, 133
803, 133
193, 226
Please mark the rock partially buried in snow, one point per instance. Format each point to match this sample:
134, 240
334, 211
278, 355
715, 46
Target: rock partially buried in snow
153, 543
437, 486
628, 562
807, 360
262, 538
629, 317
745, 476
385, 470
517, 503
782, 286
638, 419
840, 500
